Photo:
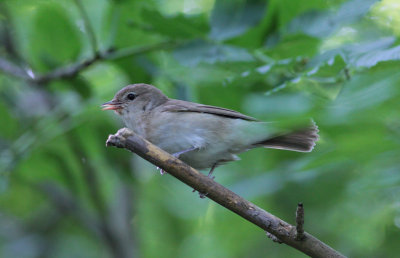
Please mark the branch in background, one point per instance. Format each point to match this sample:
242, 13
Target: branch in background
300, 222
12, 69
112, 236
283, 231
75, 68
68, 204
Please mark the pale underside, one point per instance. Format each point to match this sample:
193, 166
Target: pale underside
217, 134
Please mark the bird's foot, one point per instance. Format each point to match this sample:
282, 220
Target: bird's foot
201, 195
204, 195
162, 171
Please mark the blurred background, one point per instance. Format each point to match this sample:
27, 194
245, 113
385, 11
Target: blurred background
64, 194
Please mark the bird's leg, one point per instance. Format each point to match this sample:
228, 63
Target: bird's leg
162, 172
203, 195
211, 171
177, 155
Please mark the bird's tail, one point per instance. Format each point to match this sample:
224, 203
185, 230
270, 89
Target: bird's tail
302, 140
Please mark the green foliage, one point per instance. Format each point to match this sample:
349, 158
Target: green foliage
54, 40
334, 61
233, 18
177, 27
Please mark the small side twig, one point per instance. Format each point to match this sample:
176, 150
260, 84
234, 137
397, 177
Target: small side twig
65, 72
299, 222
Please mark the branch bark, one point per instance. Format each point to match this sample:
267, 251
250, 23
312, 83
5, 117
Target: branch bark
282, 230
300, 222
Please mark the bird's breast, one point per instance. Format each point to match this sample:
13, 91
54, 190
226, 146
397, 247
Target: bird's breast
210, 135
136, 122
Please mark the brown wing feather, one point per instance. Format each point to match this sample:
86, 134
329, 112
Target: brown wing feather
174, 105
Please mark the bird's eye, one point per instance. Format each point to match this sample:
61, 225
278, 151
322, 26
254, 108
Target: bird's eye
131, 96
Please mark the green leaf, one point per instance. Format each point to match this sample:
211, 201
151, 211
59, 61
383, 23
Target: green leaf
323, 23
286, 14
362, 54
373, 57
203, 52
324, 80
278, 105
294, 45
232, 18
55, 41
368, 90
330, 68
179, 26
79, 84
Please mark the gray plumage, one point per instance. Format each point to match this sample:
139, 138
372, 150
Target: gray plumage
216, 134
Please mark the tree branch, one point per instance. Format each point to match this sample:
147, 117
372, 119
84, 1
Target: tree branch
75, 68
283, 231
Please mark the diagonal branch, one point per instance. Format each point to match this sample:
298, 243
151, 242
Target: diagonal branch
283, 231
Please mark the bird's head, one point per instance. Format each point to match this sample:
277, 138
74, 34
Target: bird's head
135, 98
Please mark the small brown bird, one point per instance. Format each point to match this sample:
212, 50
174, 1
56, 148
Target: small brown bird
202, 136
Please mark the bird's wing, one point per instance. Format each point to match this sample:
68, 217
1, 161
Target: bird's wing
174, 105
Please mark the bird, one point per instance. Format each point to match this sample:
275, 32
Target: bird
202, 136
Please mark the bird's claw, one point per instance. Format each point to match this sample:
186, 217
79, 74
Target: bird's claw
204, 195
162, 171
201, 195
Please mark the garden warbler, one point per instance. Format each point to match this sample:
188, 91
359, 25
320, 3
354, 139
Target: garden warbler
202, 136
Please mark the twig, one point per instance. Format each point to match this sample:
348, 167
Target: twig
285, 232
88, 26
65, 72
10, 68
75, 68
299, 222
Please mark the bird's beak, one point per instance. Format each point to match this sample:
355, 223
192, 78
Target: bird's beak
111, 105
